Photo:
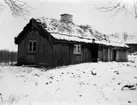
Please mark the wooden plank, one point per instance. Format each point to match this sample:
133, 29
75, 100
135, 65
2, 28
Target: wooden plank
109, 54
117, 55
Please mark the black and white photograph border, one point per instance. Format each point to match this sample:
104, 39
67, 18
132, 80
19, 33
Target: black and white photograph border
68, 52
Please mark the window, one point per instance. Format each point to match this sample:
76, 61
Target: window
32, 46
77, 49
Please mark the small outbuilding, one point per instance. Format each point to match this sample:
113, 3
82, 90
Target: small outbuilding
51, 42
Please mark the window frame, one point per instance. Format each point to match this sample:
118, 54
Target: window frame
32, 46
77, 49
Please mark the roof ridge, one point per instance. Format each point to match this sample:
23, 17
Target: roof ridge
55, 26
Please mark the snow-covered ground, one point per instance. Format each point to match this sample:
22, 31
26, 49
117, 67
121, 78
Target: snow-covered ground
103, 83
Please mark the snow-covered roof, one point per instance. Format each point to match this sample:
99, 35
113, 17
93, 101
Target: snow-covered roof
71, 38
78, 39
72, 32
70, 29
131, 40
112, 44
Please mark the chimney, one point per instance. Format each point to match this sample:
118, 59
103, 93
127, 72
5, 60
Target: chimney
67, 18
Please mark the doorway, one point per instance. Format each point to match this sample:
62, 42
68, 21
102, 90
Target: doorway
114, 55
94, 52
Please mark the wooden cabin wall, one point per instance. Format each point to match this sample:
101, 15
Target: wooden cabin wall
76, 58
44, 52
126, 55
24, 56
103, 54
21, 52
111, 54
122, 55
117, 55
63, 54
56, 55
106, 53
100, 53
85, 56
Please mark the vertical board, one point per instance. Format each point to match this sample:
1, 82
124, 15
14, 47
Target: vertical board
109, 54
61, 54
117, 55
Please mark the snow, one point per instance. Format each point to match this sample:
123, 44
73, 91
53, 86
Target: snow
101, 83
112, 44
55, 26
123, 38
131, 40
85, 40
72, 32
70, 38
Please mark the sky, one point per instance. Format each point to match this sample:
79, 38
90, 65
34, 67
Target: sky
84, 12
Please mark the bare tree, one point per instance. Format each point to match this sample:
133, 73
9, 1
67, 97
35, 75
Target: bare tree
17, 7
126, 6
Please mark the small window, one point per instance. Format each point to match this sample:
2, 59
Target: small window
77, 49
32, 46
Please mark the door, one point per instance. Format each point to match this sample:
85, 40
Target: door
114, 55
94, 52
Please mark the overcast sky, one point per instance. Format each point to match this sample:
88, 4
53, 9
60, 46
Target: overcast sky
83, 12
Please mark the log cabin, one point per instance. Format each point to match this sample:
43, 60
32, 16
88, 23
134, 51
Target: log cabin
61, 42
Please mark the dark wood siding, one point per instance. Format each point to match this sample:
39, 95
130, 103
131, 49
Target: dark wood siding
85, 55
63, 54
21, 52
44, 53
54, 52
24, 56
109, 53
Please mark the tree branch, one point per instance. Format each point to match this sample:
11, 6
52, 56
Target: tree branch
18, 8
120, 6
1, 7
